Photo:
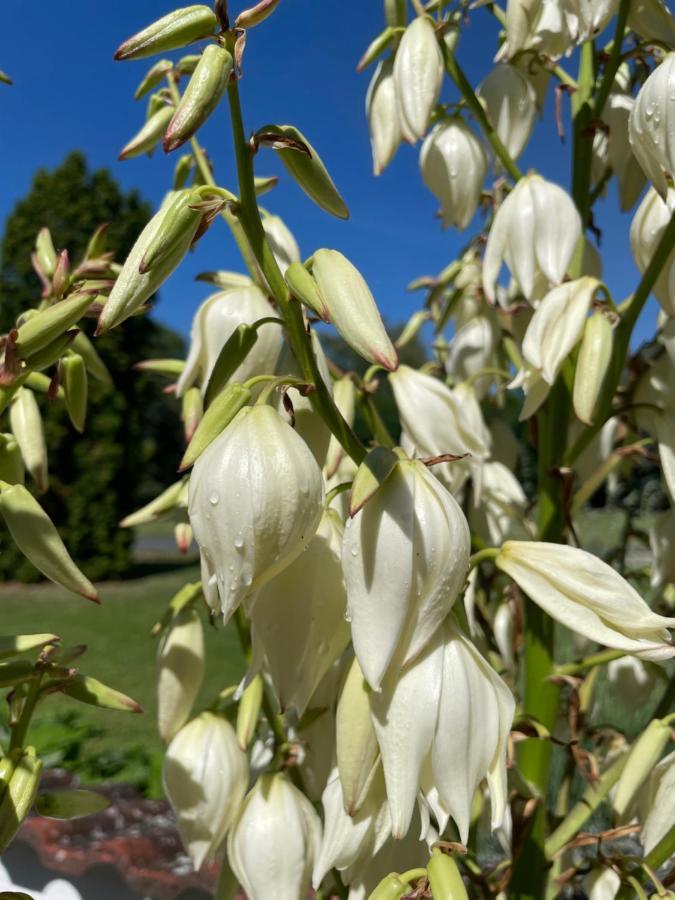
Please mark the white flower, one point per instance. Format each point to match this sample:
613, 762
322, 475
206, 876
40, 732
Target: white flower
536, 24
418, 74
502, 502
452, 707
382, 114
298, 618
587, 18
602, 884
281, 241
255, 501
535, 231
205, 779
439, 420
275, 840
554, 330
655, 389
652, 20
587, 596
649, 223
405, 556
181, 669
620, 156
454, 166
511, 105
652, 127
213, 324
473, 348
655, 806
349, 839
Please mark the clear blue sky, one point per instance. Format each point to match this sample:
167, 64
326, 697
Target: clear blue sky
299, 68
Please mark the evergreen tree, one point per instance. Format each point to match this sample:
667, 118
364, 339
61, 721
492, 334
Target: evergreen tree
100, 476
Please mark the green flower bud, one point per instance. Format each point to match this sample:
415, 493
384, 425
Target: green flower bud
175, 30
444, 878
162, 505
94, 693
51, 323
13, 673
395, 13
358, 755
95, 365
390, 888
193, 410
11, 462
256, 14
13, 644
303, 286
39, 541
153, 77
178, 229
306, 168
74, 379
593, 361
19, 796
150, 134
26, 424
52, 353
187, 64
216, 418
45, 253
249, 710
204, 90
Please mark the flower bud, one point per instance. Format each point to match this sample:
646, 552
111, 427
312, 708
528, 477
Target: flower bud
298, 619
511, 105
45, 252
175, 30
202, 430
19, 795
595, 354
587, 596
134, 287
282, 243
454, 166
75, 387
256, 14
358, 756
11, 461
39, 541
205, 88
344, 394
182, 535
307, 169
405, 558
348, 839
390, 888
163, 504
643, 756
655, 806
652, 20
213, 325
26, 423
382, 114
418, 75
179, 227
303, 286
352, 308
248, 710
192, 412
275, 840
272, 497
181, 669
150, 134
444, 878
651, 128
535, 231
205, 779
45, 326
154, 76
649, 223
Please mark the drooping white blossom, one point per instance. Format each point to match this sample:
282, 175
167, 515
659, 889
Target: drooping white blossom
511, 106
453, 165
472, 349
180, 671
649, 223
255, 501
418, 74
280, 238
588, 596
405, 556
215, 321
652, 128
535, 231
205, 779
274, 841
652, 20
382, 114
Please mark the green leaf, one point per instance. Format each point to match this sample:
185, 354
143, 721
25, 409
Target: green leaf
72, 804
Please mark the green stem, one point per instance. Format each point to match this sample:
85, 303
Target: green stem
583, 134
614, 60
375, 421
455, 72
20, 730
590, 662
227, 214
481, 555
249, 217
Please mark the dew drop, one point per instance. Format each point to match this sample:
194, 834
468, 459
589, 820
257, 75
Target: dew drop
214, 499
354, 551
239, 540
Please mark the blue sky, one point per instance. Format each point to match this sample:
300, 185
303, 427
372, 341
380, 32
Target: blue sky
299, 68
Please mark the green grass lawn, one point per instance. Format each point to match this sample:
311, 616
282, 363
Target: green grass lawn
121, 652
